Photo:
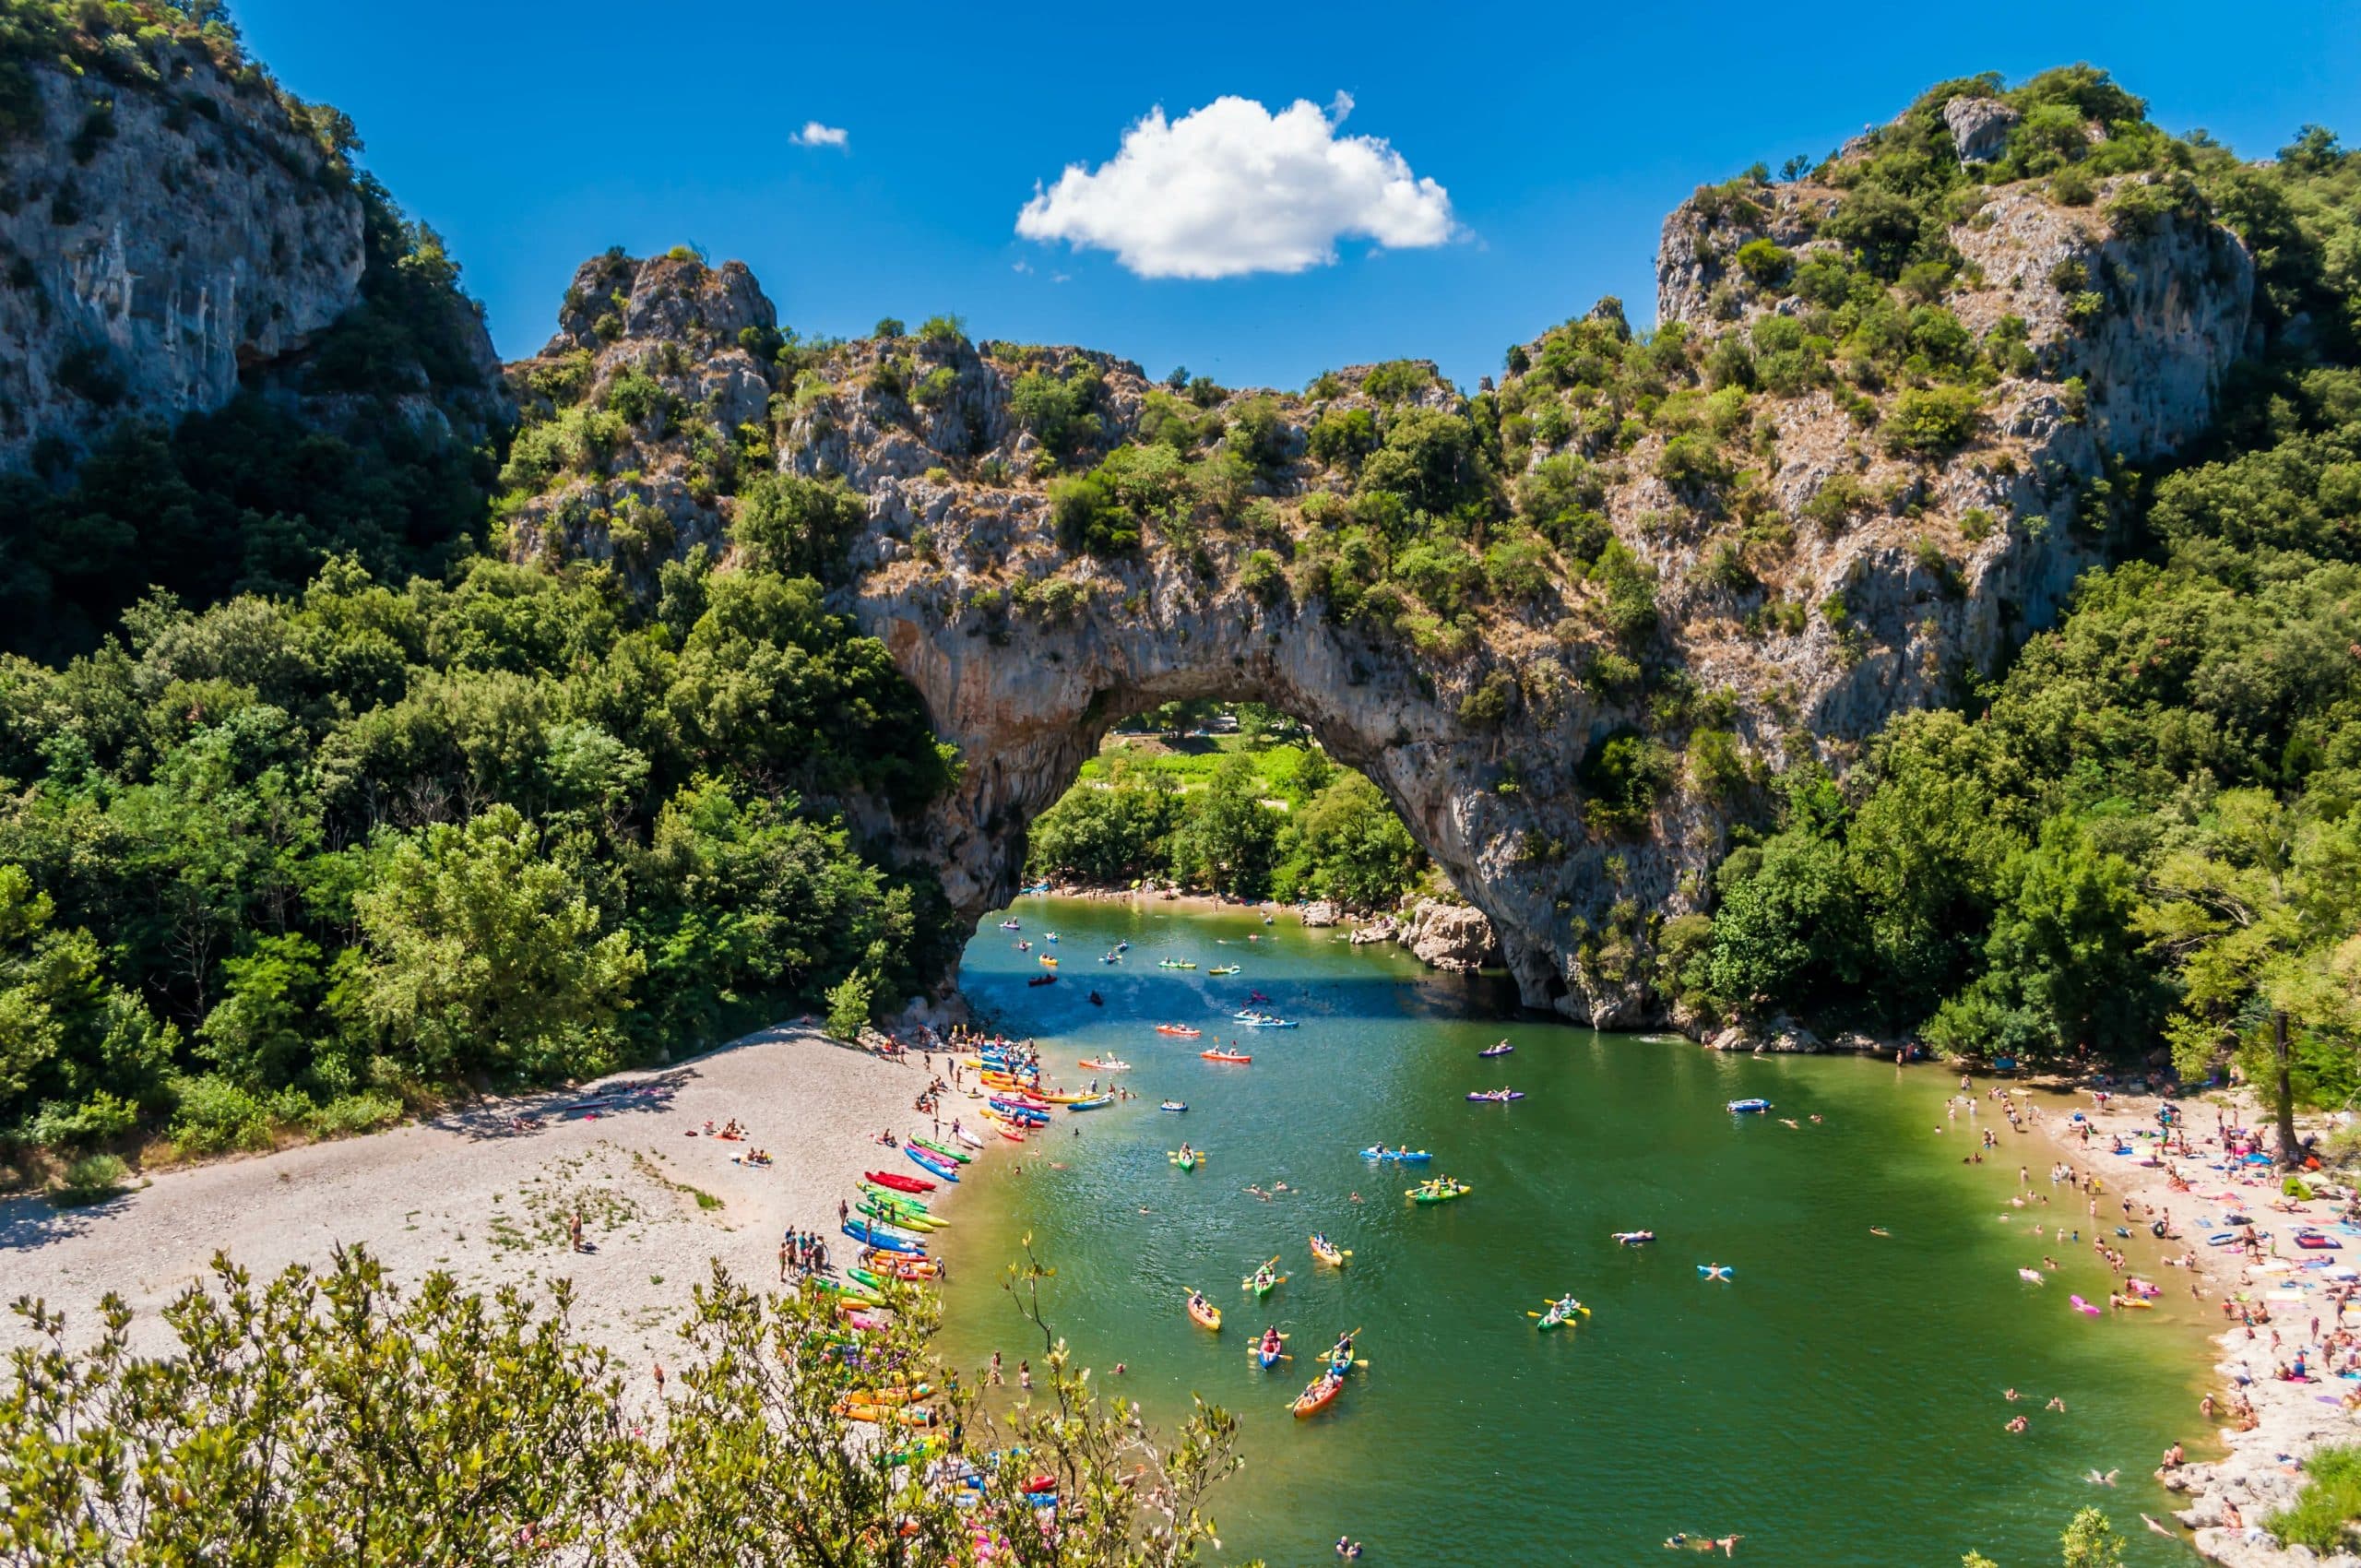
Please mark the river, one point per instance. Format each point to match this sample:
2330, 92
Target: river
1840, 1401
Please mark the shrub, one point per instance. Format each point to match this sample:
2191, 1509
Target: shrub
1690, 462
93, 1179
1933, 420
2323, 1513
1263, 576
216, 1115
2072, 186
887, 326
349, 1115
1487, 707
1766, 264
1089, 517
1623, 777
849, 1006
1397, 380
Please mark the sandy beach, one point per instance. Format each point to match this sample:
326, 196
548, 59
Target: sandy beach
486, 1193
2226, 1500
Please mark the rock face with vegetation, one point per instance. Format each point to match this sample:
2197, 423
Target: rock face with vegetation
1572, 626
167, 224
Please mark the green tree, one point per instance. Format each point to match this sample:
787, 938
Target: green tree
481, 955
2090, 1541
2248, 914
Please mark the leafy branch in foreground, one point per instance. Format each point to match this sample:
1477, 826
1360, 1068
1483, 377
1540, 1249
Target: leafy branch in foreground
332, 1416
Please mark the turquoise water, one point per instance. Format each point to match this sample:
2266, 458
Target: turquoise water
1840, 1402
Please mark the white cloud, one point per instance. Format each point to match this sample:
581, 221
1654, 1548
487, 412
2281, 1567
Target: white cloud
1232, 188
815, 133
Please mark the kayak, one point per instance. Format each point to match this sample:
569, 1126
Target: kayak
870, 1233
885, 1194
1100, 1103
1175, 1105
1327, 1251
899, 1183
1409, 1157
1434, 1193
1223, 969
899, 1266
1107, 1065
1181, 1032
897, 1415
1238, 1056
1188, 1162
1497, 1097
1266, 1023
1318, 1398
933, 1163
961, 1135
1501, 1049
1747, 1107
1263, 1281
1174, 964
1206, 1315
917, 1224
1557, 1315
1266, 1357
960, 1155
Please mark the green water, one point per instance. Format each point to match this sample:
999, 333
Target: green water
1840, 1403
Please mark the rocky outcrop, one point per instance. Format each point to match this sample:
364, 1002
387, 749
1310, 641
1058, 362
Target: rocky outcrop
1449, 937
164, 229
1979, 127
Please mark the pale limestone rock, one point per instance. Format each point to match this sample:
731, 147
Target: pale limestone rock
200, 239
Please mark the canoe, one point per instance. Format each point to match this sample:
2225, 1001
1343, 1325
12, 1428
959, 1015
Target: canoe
1554, 1318
1181, 1030
893, 1196
899, 1183
1747, 1107
1206, 1316
1174, 964
1327, 1251
1317, 1398
895, 1415
1109, 1065
1237, 1057
1412, 1157
1223, 969
1497, 1097
1189, 1161
1266, 1360
1266, 1023
1101, 1102
1496, 1051
961, 1135
1263, 1281
960, 1155
1437, 1194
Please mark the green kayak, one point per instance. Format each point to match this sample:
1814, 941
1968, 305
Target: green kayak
959, 1157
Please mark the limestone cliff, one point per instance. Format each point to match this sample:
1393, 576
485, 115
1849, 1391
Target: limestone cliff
165, 225
1716, 570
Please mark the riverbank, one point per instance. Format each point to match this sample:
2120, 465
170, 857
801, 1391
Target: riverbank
2227, 1501
488, 1193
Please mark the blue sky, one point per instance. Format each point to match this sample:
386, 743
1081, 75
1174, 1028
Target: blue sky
533, 134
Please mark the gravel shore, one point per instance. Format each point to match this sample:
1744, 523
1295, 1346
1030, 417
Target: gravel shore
2225, 1501
488, 1193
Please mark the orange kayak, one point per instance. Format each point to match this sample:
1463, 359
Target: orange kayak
1207, 1316
1225, 1056
1317, 1398
1182, 1031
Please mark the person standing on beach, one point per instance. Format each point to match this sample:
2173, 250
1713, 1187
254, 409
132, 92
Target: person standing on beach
574, 1229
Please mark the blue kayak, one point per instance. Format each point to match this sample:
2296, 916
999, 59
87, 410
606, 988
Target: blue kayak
932, 1164
1412, 1157
1747, 1107
883, 1237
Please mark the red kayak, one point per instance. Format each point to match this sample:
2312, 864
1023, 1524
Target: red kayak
899, 1183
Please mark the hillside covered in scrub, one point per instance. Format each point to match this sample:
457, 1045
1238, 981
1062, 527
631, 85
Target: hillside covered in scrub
1937, 620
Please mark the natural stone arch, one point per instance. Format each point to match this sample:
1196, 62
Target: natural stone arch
1029, 707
